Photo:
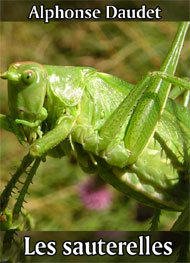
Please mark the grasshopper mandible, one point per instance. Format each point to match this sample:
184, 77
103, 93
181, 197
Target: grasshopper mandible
113, 128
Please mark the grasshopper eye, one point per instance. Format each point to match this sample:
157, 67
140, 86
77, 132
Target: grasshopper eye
28, 76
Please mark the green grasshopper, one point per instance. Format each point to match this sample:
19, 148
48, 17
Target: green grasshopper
113, 128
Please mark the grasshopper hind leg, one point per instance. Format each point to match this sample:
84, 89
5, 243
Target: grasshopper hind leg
181, 86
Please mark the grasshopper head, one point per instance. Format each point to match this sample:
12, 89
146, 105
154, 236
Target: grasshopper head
27, 82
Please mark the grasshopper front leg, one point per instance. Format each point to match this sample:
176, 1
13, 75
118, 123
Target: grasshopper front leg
52, 138
148, 107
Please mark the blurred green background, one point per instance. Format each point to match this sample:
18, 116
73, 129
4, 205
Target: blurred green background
126, 50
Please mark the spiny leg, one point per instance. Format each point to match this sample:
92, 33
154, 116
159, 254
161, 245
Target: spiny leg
27, 160
20, 199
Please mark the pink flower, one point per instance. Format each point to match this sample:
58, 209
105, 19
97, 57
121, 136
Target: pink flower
95, 194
